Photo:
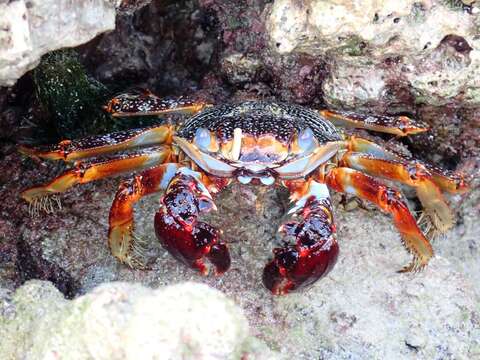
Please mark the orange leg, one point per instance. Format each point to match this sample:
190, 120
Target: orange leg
354, 182
123, 243
357, 144
396, 125
449, 181
145, 103
71, 150
410, 173
89, 171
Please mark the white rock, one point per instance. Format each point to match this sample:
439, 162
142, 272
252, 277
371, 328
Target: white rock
29, 29
124, 321
359, 35
406, 26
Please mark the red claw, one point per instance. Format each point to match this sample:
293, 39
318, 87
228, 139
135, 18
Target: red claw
292, 270
313, 255
178, 230
219, 257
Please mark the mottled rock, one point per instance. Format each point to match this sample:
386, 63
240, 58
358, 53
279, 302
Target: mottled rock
362, 309
298, 78
404, 26
429, 48
240, 68
381, 63
168, 55
29, 29
356, 83
124, 321
130, 6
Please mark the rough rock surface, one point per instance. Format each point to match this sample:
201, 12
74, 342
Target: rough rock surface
124, 321
226, 50
29, 29
363, 309
428, 50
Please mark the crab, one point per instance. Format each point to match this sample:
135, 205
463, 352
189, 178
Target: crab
264, 143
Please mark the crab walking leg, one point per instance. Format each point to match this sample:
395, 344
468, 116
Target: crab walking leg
146, 103
123, 243
410, 173
446, 180
354, 182
315, 247
85, 172
178, 229
356, 144
71, 150
396, 125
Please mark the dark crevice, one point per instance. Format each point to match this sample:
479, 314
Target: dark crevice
31, 265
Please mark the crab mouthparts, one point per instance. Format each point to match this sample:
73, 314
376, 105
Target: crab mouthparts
245, 176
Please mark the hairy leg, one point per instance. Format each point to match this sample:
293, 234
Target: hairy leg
448, 181
429, 181
354, 182
122, 241
412, 174
84, 172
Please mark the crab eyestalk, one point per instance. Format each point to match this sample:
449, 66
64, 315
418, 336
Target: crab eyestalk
179, 231
315, 250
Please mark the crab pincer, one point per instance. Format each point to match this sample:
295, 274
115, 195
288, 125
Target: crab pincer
315, 250
179, 231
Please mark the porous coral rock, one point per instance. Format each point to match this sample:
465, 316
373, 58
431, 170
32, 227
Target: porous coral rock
124, 321
429, 48
406, 26
363, 308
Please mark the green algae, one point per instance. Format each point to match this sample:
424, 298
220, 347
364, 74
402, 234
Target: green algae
353, 46
72, 101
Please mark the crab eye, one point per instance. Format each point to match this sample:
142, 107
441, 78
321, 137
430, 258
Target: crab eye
202, 138
306, 139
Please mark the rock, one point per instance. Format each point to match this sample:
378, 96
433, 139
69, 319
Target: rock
167, 55
32, 28
362, 309
429, 50
323, 26
240, 68
124, 321
128, 7
356, 82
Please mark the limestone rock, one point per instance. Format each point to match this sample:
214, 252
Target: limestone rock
377, 49
29, 29
123, 321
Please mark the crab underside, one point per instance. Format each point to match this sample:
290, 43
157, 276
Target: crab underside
264, 143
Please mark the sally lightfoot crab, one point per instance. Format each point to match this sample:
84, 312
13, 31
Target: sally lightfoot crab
258, 142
